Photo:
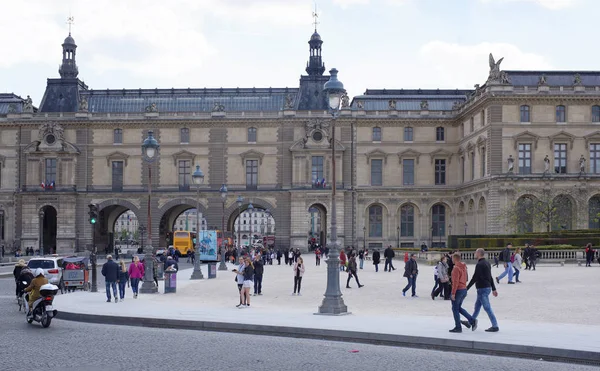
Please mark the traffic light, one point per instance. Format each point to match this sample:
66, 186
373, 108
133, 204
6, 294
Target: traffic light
93, 213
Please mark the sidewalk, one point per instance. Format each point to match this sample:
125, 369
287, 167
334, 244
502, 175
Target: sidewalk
550, 341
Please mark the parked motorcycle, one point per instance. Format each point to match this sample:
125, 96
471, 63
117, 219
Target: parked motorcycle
43, 311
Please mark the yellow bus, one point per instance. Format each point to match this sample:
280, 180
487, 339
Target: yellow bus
184, 241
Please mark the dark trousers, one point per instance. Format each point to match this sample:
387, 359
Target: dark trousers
443, 287
376, 267
286, 260
388, 261
412, 283
257, 284
350, 274
297, 284
279, 260
318, 260
532, 263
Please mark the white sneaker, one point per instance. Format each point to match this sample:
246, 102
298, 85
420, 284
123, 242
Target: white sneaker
299, 294
293, 293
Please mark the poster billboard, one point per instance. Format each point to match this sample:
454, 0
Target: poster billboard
208, 245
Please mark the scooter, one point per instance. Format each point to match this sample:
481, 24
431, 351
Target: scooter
43, 311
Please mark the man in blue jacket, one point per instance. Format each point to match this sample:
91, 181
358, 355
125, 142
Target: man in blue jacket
110, 271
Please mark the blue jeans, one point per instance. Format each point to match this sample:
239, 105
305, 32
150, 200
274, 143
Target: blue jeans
457, 308
362, 262
517, 271
376, 267
412, 283
507, 271
483, 299
122, 289
114, 288
435, 286
134, 285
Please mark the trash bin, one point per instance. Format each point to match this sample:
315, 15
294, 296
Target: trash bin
212, 270
161, 270
170, 281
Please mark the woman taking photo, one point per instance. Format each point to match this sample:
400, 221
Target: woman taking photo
248, 274
298, 273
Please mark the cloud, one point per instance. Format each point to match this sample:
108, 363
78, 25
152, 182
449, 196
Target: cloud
549, 4
456, 65
346, 3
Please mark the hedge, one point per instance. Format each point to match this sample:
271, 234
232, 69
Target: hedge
491, 242
545, 247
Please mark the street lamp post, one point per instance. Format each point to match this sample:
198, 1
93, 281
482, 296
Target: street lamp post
240, 201
364, 237
198, 179
466, 225
398, 230
333, 304
250, 210
449, 234
268, 214
431, 237
223, 191
142, 231
150, 149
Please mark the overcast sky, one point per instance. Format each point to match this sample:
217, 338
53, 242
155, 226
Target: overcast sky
262, 43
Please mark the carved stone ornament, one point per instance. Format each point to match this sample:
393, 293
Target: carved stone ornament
456, 105
542, 81
83, 104
360, 104
577, 80
51, 138
424, 105
28, 105
345, 101
582, 165
218, 107
392, 104
152, 108
511, 163
51, 132
495, 75
289, 102
12, 108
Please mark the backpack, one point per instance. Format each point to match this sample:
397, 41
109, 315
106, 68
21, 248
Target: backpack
512, 258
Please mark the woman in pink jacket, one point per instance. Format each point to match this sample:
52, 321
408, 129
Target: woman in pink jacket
136, 273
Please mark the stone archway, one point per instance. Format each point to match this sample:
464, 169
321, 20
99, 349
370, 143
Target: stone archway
234, 224
317, 233
169, 212
48, 229
108, 213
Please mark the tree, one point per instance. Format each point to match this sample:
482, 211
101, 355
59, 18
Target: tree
123, 234
550, 209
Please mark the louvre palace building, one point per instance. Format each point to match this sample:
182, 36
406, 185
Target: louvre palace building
413, 165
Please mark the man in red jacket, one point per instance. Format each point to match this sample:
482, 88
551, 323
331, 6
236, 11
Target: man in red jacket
459, 293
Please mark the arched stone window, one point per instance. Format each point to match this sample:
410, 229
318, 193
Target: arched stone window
438, 220
375, 221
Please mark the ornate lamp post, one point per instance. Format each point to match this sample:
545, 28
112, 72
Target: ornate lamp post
449, 234
364, 237
150, 149
223, 191
250, 210
198, 179
239, 201
268, 214
141, 231
333, 304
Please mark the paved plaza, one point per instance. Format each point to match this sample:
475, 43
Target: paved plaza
551, 308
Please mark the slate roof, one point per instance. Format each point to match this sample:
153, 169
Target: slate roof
6, 99
553, 78
410, 100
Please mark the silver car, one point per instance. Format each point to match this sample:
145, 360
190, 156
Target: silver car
52, 266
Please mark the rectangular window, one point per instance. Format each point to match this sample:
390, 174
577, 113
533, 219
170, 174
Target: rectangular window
482, 162
50, 172
408, 172
317, 169
525, 158
251, 174
440, 172
408, 134
118, 136
117, 175
184, 135
464, 169
472, 124
185, 175
439, 134
482, 123
376, 172
561, 115
595, 158
252, 135
525, 114
472, 165
376, 134
560, 158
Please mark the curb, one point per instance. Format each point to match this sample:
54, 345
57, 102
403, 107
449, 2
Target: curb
408, 341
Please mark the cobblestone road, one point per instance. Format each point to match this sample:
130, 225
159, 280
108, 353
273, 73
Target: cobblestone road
67, 346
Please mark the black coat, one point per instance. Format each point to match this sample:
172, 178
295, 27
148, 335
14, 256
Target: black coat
258, 268
110, 271
389, 253
411, 268
376, 257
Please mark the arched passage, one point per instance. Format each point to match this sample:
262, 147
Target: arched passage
108, 226
179, 214
317, 234
247, 225
48, 229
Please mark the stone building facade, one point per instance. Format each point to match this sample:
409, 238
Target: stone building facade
413, 166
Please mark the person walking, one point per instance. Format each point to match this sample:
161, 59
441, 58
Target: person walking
279, 257
533, 255
136, 273
517, 260
248, 281
318, 256
258, 275
123, 279
298, 273
484, 283
291, 256
589, 255
459, 293
342, 260
389, 255
352, 271
411, 270
110, 271
376, 259
361, 258
526, 253
443, 280
505, 256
